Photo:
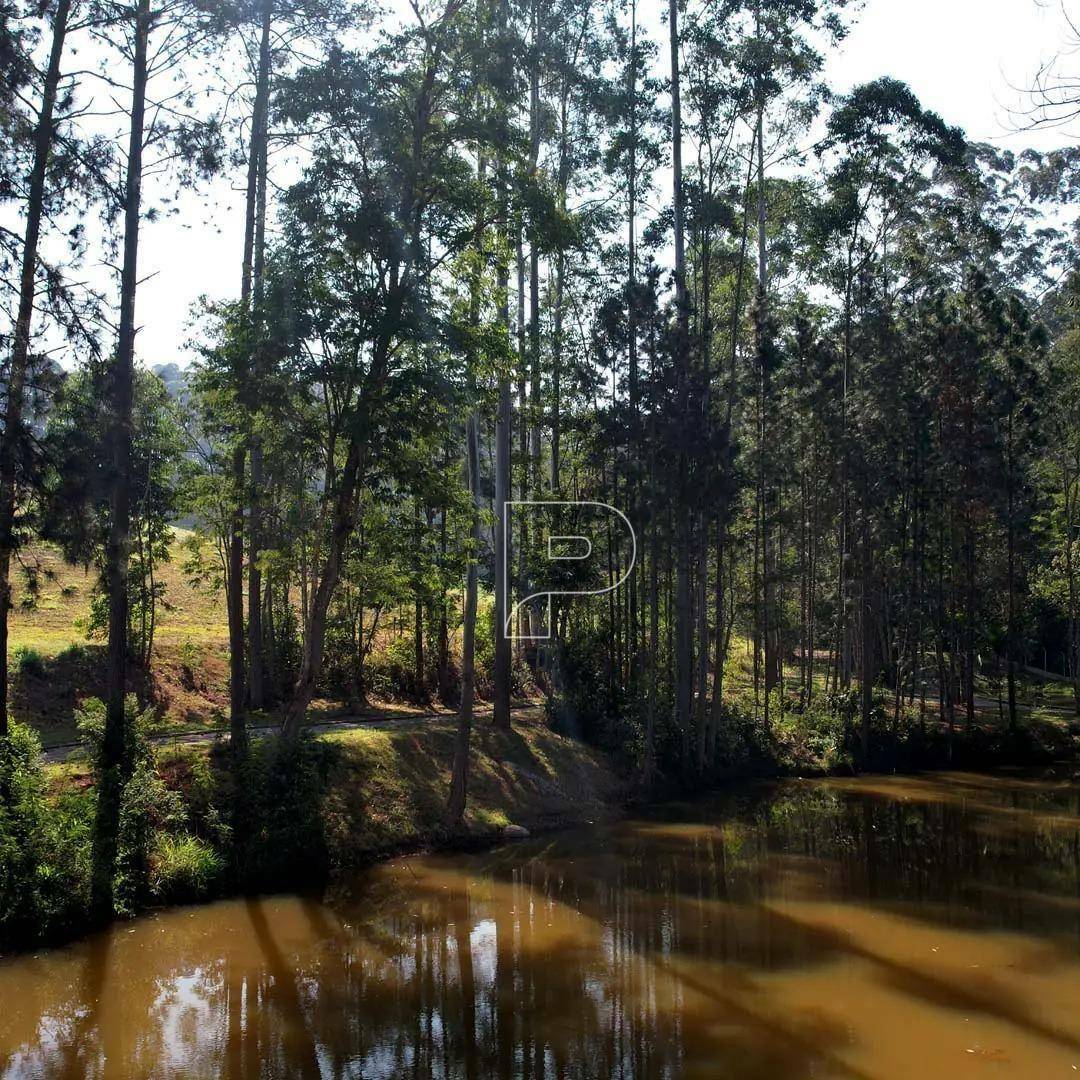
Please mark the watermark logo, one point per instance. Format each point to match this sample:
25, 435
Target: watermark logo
570, 547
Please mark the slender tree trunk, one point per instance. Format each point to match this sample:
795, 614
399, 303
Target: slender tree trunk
1010, 633
444, 629
114, 753
501, 577
252, 303
684, 628
20, 351
535, 405
634, 451
418, 607
866, 674
234, 600
523, 422
1070, 497
343, 521
770, 630
459, 783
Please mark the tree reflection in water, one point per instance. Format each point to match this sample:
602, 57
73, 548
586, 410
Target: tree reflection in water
855, 928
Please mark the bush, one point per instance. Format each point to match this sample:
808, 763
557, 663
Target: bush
285, 789
586, 704
147, 806
191, 660
184, 868
44, 848
390, 672
814, 740
28, 662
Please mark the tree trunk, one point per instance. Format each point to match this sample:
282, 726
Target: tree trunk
20, 351
634, 451
1070, 497
501, 577
343, 521
1010, 633
234, 600
684, 629
418, 608
459, 784
535, 406
114, 752
770, 617
258, 159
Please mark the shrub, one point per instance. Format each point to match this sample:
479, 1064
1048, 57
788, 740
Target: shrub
814, 739
190, 663
147, 806
286, 787
44, 848
183, 868
28, 662
586, 703
75, 654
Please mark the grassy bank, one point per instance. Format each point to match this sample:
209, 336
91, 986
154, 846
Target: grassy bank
334, 803
386, 788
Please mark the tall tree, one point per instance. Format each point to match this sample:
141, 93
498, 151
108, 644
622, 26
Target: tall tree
12, 438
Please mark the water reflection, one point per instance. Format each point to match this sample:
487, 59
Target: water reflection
856, 928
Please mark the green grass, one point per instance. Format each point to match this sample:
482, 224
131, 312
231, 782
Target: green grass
388, 787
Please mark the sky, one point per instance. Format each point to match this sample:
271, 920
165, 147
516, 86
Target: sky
965, 59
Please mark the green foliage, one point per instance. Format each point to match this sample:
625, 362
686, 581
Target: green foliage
814, 739
390, 672
28, 662
285, 789
184, 868
44, 846
76, 504
148, 808
589, 706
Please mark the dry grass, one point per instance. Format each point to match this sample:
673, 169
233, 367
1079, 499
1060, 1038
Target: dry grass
59, 618
54, 623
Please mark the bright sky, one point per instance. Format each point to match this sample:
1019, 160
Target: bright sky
963, 58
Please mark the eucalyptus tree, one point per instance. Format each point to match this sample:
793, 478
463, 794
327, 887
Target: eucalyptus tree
275, 36
1063, 465
885, 144
684, 642
386, 176
778, 55
632, 157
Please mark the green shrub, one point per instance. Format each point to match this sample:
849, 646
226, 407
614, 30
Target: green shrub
285, 788
191, 659
75, 654
44, 847
28, 662
147, 806
183, 868
589, 703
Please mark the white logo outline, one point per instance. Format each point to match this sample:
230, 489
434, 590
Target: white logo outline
511, 610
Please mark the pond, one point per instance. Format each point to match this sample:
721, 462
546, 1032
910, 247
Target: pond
869, 927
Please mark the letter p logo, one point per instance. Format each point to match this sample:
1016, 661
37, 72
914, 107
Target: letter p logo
572, 549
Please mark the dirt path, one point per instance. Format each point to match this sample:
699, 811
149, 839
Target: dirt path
55, 755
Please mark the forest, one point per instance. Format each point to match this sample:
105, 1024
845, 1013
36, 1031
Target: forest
818, 347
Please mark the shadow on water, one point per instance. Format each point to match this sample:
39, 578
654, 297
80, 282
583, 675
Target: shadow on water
855, 928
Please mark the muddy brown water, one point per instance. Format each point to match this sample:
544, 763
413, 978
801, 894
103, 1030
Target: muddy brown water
873, 927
